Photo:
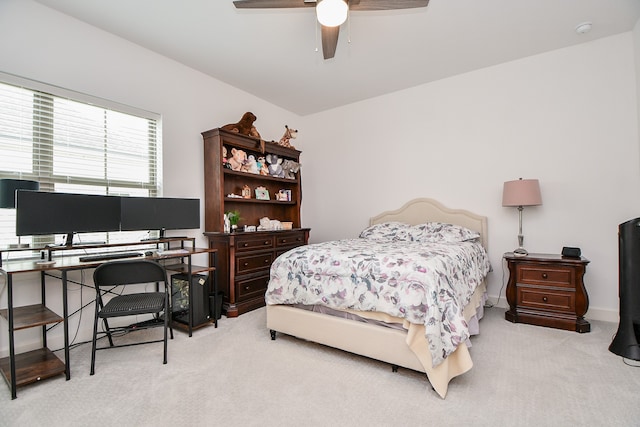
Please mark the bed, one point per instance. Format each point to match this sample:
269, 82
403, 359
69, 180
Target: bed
385, 323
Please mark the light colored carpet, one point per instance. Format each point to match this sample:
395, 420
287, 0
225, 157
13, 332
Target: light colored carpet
235, 375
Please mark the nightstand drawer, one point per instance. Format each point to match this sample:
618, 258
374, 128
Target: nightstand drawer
546, 276
249, 263
546, 299
254, 243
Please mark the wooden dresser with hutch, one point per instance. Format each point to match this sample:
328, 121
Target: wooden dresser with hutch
244, 258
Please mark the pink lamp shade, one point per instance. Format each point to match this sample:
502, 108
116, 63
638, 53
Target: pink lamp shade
521, 192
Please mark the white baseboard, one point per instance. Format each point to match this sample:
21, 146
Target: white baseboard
601, 314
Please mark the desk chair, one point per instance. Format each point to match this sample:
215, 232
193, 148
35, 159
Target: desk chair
123, 273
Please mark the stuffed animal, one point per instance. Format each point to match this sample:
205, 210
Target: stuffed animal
225, 162
244, 126
237, 159
290, 167
289, 134
251, 165
263, 167
275, 166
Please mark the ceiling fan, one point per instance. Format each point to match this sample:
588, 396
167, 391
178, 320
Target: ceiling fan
331, 13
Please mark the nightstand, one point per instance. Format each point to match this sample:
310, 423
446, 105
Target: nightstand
547, 290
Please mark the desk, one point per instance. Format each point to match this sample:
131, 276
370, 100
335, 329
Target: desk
32, 366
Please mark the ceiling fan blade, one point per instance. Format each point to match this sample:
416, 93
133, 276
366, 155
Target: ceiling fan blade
386, 4
329, 41
269, 4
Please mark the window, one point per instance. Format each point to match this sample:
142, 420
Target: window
73, 143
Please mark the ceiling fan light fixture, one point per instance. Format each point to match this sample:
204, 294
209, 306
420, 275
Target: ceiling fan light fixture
332, 13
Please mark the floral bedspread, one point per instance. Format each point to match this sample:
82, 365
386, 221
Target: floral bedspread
424, 283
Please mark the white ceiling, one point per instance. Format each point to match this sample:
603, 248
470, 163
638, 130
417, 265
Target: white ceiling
272, 53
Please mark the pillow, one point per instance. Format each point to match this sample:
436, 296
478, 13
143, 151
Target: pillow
438, 232
387, 231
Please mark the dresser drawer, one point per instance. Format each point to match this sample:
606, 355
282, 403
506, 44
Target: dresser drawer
546, 276
251, 287
289, 240
251, 263
253, 243
553, 300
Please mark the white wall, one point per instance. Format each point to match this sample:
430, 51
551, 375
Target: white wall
44, 45
567, 117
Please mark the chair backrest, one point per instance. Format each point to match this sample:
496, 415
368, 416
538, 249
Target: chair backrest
129, 272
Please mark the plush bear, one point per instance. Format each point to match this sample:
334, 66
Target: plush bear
290, 167
275, 166
289, 134
237, 159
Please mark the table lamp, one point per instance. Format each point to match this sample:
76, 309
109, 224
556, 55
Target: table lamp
521, 193
8, 188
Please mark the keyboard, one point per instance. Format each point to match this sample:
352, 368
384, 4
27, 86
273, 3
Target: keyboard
109, 256
170, 252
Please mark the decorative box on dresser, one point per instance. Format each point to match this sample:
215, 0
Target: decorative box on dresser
547, 290
244, 258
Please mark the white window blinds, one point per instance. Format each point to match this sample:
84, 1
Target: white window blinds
79, 145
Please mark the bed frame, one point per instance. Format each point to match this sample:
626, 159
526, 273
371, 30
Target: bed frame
366, 339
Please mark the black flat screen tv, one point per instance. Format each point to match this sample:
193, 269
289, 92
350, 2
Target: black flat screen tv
159, 213
43, 213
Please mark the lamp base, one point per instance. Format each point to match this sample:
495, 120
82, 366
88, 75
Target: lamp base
520, 251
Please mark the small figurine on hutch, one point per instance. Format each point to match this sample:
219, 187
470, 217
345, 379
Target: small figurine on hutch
225, 162
275, 166
246, 192
290, 168
289, 134
283, 195
238, 159
251, 165
262, 193
263, 167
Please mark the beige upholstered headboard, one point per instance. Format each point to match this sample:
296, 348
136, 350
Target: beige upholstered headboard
418, 211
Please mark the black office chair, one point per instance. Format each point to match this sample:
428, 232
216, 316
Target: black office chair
130, 272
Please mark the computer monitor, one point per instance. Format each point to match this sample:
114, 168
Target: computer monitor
43, 213
159, 213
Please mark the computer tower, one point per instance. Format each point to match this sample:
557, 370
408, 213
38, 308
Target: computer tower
180, 298
626, 342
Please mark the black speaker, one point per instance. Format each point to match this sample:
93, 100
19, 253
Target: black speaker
180, 298
571, 252
626, 343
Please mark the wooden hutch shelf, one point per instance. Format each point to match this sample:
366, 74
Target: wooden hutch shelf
244, 258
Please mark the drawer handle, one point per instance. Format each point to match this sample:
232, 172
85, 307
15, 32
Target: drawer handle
245, 245
266, 242
246, 264
544, 275
266, 261
246, 288
284, 240
545, 299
